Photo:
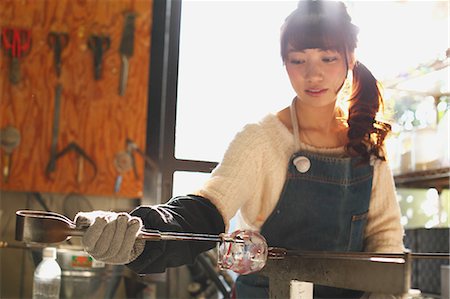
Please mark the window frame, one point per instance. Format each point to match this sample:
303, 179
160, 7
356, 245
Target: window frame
162, 106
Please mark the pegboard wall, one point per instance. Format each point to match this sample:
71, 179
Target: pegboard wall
93, 116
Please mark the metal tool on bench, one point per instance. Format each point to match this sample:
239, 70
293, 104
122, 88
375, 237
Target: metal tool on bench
16, 42
9, 140
57, 41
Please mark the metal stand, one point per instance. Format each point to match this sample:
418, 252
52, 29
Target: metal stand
369, 274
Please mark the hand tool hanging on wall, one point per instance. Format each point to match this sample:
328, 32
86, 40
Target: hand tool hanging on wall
55, 132
57, 41
130, 151
9, 140
98, 44
131, 148
123, 163
126, 50
81, 156
17, 44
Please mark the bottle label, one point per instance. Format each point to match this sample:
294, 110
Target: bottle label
81, 261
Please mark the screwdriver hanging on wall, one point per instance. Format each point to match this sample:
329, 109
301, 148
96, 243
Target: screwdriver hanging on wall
126, 50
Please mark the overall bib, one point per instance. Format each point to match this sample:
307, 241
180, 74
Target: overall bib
323, 207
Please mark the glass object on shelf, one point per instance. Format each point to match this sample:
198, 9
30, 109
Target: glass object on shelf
424, 207
406, 145
243, 257
432, 82
394, 149
420, 133
425, 149
443, 133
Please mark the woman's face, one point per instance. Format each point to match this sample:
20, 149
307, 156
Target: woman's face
316, 75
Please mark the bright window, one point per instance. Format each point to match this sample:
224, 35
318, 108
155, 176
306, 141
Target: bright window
230, 70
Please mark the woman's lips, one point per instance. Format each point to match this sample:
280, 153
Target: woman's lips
315, 92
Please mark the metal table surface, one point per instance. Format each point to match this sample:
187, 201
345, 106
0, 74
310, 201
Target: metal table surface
389, 275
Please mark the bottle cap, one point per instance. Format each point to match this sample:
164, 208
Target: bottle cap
49, 252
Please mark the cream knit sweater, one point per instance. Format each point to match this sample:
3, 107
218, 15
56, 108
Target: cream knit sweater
253, 171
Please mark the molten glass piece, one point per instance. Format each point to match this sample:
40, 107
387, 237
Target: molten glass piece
243, 252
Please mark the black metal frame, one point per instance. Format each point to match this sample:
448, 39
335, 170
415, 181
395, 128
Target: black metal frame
162, 109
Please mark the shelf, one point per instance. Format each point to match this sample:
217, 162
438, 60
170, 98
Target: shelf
435, 178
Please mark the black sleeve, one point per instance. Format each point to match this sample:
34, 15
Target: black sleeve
181, 214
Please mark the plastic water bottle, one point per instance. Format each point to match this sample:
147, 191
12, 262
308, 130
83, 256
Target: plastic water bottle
47, 276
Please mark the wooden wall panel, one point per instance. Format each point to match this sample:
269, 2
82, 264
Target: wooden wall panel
92, 113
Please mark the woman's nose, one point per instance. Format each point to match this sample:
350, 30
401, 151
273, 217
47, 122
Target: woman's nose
314, 73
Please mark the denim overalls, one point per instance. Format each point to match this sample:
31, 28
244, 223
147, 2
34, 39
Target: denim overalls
323, 206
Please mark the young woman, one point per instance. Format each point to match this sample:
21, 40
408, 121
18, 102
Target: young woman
310, 177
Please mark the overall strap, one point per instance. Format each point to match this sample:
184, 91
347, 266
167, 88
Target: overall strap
295, 126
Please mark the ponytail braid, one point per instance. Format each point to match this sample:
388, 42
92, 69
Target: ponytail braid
365, 134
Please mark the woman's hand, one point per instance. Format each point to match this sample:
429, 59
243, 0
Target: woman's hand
111, 237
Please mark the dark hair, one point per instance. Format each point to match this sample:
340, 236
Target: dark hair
327, 25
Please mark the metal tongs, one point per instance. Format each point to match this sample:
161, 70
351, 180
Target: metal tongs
50, 227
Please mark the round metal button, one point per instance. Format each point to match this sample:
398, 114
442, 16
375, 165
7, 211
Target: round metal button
302, 164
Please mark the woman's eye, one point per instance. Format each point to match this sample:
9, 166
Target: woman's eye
296, 61
329, 59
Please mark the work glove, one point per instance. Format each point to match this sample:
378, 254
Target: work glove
111, 237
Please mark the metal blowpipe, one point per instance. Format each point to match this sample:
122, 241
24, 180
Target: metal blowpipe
50, 227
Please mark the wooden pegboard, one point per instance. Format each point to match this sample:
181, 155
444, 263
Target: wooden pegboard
92, 113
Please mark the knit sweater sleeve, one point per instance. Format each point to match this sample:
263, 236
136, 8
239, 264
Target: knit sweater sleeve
384, 232
237, 179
